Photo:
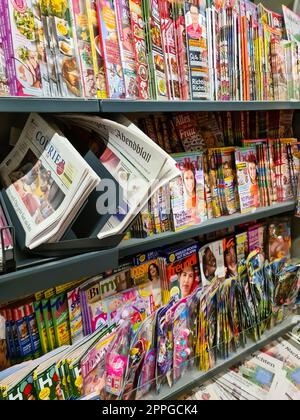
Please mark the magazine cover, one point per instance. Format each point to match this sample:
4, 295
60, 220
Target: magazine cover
75, 315
182, 272
242, 249
211, 259
139, 47
292, 24
110, 50
20, 47
187, 128
230, 257
61, 322
98, 63
195, 26
191, 167
182, 50
256, 237
246, 165
279, 240
125, 36
4, 85
156, 59
146, 272
82, 38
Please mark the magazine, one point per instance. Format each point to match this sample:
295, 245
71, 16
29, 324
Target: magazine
46, 181
211, 259
292, 24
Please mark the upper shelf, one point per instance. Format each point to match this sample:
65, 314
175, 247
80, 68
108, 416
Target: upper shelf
111, 105
47, 105
51, 105
37, 274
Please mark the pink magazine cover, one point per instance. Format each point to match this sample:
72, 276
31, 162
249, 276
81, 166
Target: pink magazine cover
18, 31
139, 45
182, 52
110, 50
127, 48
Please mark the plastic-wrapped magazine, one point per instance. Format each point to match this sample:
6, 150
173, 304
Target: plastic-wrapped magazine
137, 164
46, 181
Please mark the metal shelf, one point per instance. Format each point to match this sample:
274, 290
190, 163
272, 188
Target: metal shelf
134, 246
194, 377
48, 105
111, 105
36, 274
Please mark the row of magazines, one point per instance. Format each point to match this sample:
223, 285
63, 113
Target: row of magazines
270, 374
65, 314
142, 49
136, 347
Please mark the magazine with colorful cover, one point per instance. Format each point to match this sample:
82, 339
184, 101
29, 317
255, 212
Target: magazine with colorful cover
98, 63
279, 239
19, 40
156, 59
195, 26
257, 237
181, 270
211, 259
110, 50
187, 128
82, 38
125, 36
139, 47
182, 50
191, 166
292, 24
246, 165
148, 271
230, 257
75, 315
61, 321
4, 85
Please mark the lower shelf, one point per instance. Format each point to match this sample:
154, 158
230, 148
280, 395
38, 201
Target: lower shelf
194, 377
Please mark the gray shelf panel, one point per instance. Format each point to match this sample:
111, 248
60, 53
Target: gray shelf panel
48, 105
134, 246
36, 276
54, 273
111, 105
194, 377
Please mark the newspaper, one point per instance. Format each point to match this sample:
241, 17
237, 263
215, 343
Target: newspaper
46, 181
138, 165
290, 357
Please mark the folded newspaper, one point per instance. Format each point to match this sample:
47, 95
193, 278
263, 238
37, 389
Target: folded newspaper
138, 165
47, 181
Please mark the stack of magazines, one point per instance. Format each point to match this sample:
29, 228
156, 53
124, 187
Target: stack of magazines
142, 49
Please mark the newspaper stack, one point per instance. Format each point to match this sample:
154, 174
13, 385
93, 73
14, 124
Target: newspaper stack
271, 374
139, 166
46, 181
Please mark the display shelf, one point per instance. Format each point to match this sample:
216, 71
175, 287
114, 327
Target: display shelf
36, 274
194, 377
134, 246
48, 105
113, 105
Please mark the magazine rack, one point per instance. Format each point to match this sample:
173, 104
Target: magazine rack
81, 235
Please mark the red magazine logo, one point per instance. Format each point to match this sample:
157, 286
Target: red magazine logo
60, 169
19, 5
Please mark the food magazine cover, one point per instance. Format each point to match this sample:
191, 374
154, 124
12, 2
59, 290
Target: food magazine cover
20, 46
